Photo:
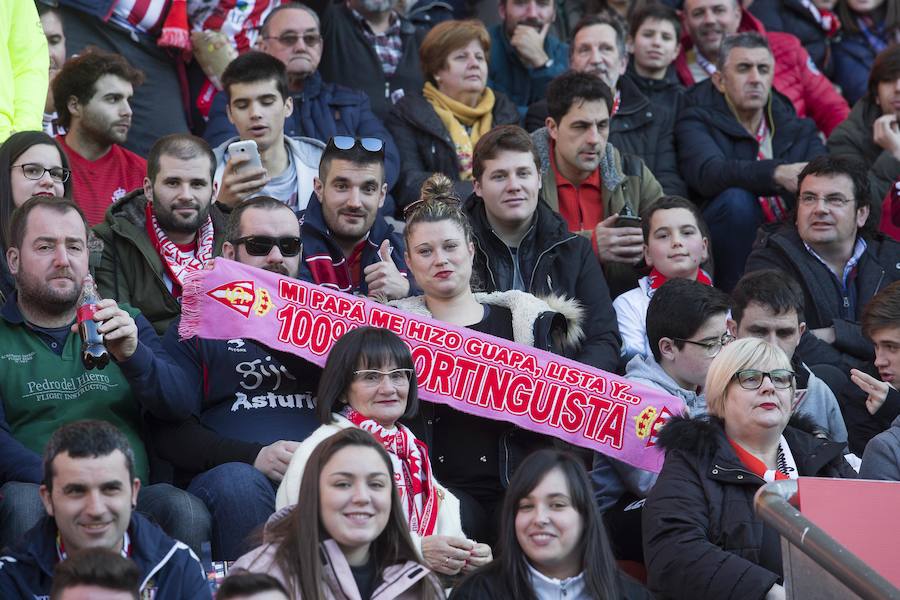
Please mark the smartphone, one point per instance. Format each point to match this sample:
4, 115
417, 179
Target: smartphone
246, 148
628, 221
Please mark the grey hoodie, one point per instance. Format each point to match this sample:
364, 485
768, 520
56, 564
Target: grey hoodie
613, 478
881, 459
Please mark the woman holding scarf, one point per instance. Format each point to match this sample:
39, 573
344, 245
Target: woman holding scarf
436, 130
369, 382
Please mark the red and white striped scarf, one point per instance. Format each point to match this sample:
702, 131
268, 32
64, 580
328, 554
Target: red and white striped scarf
773, 207
176, 262
412, 471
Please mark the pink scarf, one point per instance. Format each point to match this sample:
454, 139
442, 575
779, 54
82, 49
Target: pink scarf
178, 263
412, 471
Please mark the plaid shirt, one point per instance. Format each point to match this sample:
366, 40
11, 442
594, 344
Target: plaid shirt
388, 45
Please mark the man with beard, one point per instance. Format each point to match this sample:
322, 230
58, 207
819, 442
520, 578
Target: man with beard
524, 55
44, 383
251, 406
92, 94
348, 246
159, 233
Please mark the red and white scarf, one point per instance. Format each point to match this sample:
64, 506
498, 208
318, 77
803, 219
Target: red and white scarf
787, 468
773, 207
176, 262
412, 471
656, 279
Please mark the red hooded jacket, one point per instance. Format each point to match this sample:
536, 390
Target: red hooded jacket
796, 76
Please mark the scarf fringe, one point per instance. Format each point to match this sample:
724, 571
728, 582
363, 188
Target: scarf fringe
191, 301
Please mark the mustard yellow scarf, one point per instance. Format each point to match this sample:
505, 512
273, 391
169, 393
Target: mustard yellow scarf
456, 116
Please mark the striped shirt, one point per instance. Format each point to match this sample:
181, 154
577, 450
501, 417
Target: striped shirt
239, 20
142, 16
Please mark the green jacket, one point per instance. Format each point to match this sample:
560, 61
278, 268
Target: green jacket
625, 180
129, 269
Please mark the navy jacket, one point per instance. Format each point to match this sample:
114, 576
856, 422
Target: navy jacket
243, 397
792, 17
522, 84
853, 58
324, 262
321, 110
715, 152
167, 566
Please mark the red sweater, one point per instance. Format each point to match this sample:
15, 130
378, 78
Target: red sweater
796, 76
97, 184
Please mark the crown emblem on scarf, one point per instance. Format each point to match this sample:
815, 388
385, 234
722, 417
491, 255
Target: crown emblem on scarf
243, 297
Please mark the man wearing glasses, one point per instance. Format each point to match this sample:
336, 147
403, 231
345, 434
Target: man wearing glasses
157, 234
348, 245
250, 406
291, 34
839, 266
686, 326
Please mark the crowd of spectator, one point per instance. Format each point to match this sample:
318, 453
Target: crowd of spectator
701, 196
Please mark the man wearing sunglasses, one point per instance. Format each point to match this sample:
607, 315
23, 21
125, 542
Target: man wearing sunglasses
157, 234
322, 109
686, 329
348, 245
252, 406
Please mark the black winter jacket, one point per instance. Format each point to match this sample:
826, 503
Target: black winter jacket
791, 17
702, 538
425, 145
349, 59
639, 127
666, 92
552, 260
717, 153
824, 302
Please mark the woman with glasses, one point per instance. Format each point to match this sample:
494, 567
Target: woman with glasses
702, 538
475, 466
31, 164
369, 382
436, 129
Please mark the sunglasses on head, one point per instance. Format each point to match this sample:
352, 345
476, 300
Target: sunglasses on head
348, 142
261, 245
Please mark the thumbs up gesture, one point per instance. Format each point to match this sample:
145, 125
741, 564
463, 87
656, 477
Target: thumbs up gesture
383, 279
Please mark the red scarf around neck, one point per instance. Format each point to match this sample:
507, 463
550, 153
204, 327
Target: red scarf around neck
177, 263
656, 278
412, 471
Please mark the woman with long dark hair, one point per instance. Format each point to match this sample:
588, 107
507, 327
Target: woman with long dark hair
347, 536
552, 540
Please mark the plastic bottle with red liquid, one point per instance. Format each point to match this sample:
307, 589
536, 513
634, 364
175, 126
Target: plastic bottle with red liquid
93, 351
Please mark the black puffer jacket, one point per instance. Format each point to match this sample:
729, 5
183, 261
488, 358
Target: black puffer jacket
715, 152
425, 145
639, 127
824, 300
702, 538
552, 260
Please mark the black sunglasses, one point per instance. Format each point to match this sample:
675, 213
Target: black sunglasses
348, 142
261, 245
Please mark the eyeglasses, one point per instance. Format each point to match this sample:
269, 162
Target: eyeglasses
373, 377
348, 142
36, 171
712, 348
831, 200
752, 379
290, 39
261, 245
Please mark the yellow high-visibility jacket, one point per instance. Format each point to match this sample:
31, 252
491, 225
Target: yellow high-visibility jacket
24, 67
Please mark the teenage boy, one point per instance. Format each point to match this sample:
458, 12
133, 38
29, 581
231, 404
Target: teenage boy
686, 326
654, 36
675, 247
258, 104
523, 245
876, 423
768, 304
